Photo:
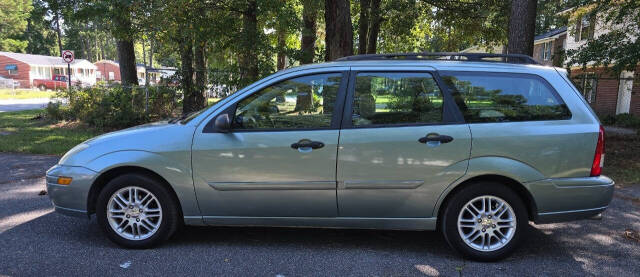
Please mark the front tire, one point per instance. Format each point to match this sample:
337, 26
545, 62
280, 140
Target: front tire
136, 211
485, 221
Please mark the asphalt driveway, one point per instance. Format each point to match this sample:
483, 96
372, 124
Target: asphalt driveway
14, 105
35, 241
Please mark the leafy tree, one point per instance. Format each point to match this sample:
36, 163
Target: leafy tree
13, 21
619, 48
548, 17
403, 27
42, 40
116, 16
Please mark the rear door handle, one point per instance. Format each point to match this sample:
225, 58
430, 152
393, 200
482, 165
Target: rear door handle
433, 137
306, 145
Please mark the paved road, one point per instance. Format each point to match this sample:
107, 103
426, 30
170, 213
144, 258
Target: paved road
14, 105
35, 241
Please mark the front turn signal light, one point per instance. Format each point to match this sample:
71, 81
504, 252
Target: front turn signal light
64, 180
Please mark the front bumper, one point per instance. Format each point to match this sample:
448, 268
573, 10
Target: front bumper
70, 199
566, 199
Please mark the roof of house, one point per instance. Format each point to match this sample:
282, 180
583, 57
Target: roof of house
551, 33
138, 65
46, 60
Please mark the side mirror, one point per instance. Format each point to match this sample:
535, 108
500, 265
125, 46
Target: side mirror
222, 123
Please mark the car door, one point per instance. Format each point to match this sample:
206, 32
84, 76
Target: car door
402, 143
279, 157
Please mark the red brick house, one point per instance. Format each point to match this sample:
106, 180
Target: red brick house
27, 67
109, 71
548, 48
607, 93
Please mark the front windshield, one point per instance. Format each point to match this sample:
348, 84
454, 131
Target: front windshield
195, 114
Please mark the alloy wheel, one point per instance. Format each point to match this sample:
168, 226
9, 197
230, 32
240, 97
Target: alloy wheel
134, 213
487, 223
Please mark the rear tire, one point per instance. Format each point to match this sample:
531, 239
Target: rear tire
483, 234
136, 211
42, 88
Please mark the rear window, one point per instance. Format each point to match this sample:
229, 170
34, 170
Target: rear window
504, 97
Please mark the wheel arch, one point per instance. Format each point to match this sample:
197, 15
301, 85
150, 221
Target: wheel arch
520, 189
104, 178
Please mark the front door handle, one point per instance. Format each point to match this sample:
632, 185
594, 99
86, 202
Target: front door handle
306, 145
435, 138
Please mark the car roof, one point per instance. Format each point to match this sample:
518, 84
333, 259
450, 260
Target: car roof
435, 64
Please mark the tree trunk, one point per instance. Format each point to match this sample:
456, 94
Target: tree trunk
374, 29
151, 53
97, 47
248, 56
522, 26
102, 45
199, 98
58, 31
339, 30
186, 58
281, 45
144, 62
363, 28
309, 19
123, 32
144, 53
127, 60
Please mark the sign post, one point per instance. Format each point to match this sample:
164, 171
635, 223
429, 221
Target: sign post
67, 56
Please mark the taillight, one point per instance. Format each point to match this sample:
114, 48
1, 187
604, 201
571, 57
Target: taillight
598, 159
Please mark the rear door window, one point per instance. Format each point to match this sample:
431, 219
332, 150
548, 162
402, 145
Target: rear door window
504, 97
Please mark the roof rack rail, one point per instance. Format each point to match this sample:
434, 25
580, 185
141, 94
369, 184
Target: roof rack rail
456, 56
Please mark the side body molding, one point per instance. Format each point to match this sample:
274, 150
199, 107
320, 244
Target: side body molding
175, 167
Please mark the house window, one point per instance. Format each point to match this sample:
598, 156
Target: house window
545, 52
12, 69
587, 83
584, 28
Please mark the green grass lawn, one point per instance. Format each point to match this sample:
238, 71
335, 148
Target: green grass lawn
24, 94
20, 133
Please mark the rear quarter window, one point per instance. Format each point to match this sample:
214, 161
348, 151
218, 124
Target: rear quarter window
504, 97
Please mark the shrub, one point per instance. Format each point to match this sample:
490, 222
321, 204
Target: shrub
115, 106
622, 120
55, 111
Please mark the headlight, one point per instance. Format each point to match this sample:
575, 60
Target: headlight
73, 151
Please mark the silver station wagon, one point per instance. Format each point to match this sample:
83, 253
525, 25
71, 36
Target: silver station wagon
472, 145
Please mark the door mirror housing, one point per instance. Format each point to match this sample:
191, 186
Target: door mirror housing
222, 123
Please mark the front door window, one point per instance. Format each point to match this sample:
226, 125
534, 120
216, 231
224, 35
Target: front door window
305, 102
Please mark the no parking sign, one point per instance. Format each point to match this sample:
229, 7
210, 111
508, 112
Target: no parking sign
67, 56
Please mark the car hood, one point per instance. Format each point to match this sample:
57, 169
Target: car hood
130, 132
153, 137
